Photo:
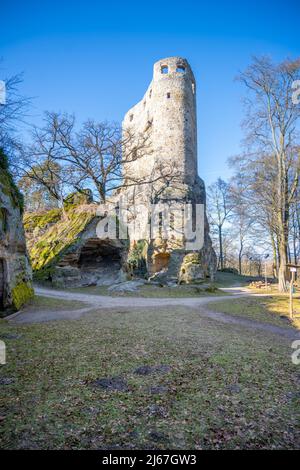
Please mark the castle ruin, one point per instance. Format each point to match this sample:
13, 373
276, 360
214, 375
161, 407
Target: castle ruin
167, 114
161, 170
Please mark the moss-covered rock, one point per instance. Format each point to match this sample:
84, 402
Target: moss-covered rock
7, 184
15, 277
66, 250
52, 244
39, 221
137, 257
192, 258
21, 294
192, 270
78, 198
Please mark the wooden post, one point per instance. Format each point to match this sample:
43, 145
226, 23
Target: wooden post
266, 279
291, 293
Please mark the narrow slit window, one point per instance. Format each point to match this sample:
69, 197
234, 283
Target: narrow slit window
168, 95
150, 93
164, 69
193, 88
131, 117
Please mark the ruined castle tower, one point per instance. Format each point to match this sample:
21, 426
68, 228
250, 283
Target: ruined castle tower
166, 119
168, 112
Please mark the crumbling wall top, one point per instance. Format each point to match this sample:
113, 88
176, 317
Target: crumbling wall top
172, 67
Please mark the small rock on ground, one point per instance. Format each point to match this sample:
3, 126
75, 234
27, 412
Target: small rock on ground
234, 388
156, 410
129, 286
112, 384
157, 436
10, 336
147, 370
6, 380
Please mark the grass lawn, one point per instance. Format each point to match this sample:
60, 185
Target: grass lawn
207, 384
271, 290
232, 280
150, 290
264, 309
41, 302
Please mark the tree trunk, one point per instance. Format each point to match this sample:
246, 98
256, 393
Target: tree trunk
275, 259
283, 224
259, 269
289, 254
240, 259
295, 248
221, 247
282, 271
295, 236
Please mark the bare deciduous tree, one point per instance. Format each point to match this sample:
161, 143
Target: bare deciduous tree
272, 125
92, 157
12, 114
242, 223
220, 207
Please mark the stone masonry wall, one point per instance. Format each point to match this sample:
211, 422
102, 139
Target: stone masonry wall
167, 114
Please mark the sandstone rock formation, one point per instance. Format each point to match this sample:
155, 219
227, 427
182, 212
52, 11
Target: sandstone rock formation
65, 250
15, 272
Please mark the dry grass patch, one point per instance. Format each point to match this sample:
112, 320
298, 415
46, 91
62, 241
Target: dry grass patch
82, 384
273, 309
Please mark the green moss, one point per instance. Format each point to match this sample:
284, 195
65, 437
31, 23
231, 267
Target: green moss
77, 198
43, 274
41, 220
59, 234
192, 258
3, 219
211, 288
7, 184
137, 257
21, 294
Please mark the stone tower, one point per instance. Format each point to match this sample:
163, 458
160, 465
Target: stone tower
166, 116
168, 112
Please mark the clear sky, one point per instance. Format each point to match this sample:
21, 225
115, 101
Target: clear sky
94, 58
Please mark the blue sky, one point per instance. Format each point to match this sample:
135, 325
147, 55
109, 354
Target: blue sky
95, 58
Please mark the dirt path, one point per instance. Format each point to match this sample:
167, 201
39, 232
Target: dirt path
95, 302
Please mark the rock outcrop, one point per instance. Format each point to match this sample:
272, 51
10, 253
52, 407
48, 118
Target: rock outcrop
15, 271
65, 250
